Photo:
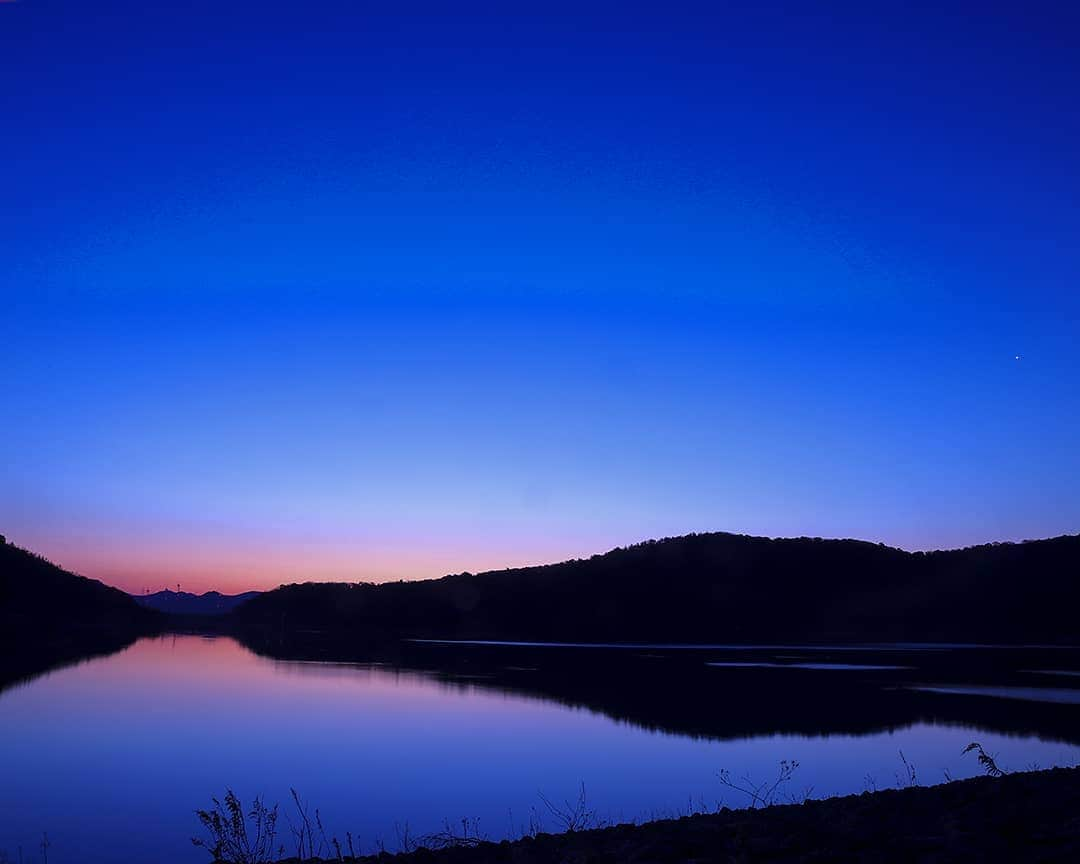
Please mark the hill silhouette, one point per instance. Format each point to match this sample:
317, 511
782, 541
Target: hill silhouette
706, 588
49, 616
185, 603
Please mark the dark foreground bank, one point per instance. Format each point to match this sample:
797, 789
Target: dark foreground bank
1028, 817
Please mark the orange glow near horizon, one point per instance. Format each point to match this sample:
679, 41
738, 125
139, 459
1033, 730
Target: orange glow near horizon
153, 564
164, 558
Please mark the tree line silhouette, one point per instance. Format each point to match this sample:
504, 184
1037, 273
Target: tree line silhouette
49, 617
708, 588
699, 588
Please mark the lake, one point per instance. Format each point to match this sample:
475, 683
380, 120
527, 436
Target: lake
112, 756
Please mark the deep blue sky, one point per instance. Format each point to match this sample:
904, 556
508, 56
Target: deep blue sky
349, 290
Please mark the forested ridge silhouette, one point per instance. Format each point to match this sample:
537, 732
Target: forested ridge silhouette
50, 616
713, 587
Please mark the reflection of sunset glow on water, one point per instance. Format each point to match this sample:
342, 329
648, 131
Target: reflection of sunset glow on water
148, 734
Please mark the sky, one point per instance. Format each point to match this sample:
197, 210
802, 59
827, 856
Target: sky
358, 291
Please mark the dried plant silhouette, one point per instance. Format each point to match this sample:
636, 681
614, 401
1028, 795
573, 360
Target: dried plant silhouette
909, 778
761, 794
985, 759
236, 837
308, 832
572, 816
467, 835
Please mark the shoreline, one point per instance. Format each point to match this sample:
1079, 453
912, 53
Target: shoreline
1030, 816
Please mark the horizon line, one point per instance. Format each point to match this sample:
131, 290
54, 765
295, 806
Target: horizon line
149, 590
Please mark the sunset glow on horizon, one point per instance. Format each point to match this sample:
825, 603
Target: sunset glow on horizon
230, 568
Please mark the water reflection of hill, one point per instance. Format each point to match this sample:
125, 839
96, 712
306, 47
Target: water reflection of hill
50, 617
35, 659
675, 691
678, 692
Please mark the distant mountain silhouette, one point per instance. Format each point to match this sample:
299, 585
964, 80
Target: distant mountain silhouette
183, 603
705, 588
49, 616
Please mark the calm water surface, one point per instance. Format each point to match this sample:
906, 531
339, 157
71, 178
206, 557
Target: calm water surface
111, 757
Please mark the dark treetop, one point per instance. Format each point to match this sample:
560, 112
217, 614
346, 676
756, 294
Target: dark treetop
709, 588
